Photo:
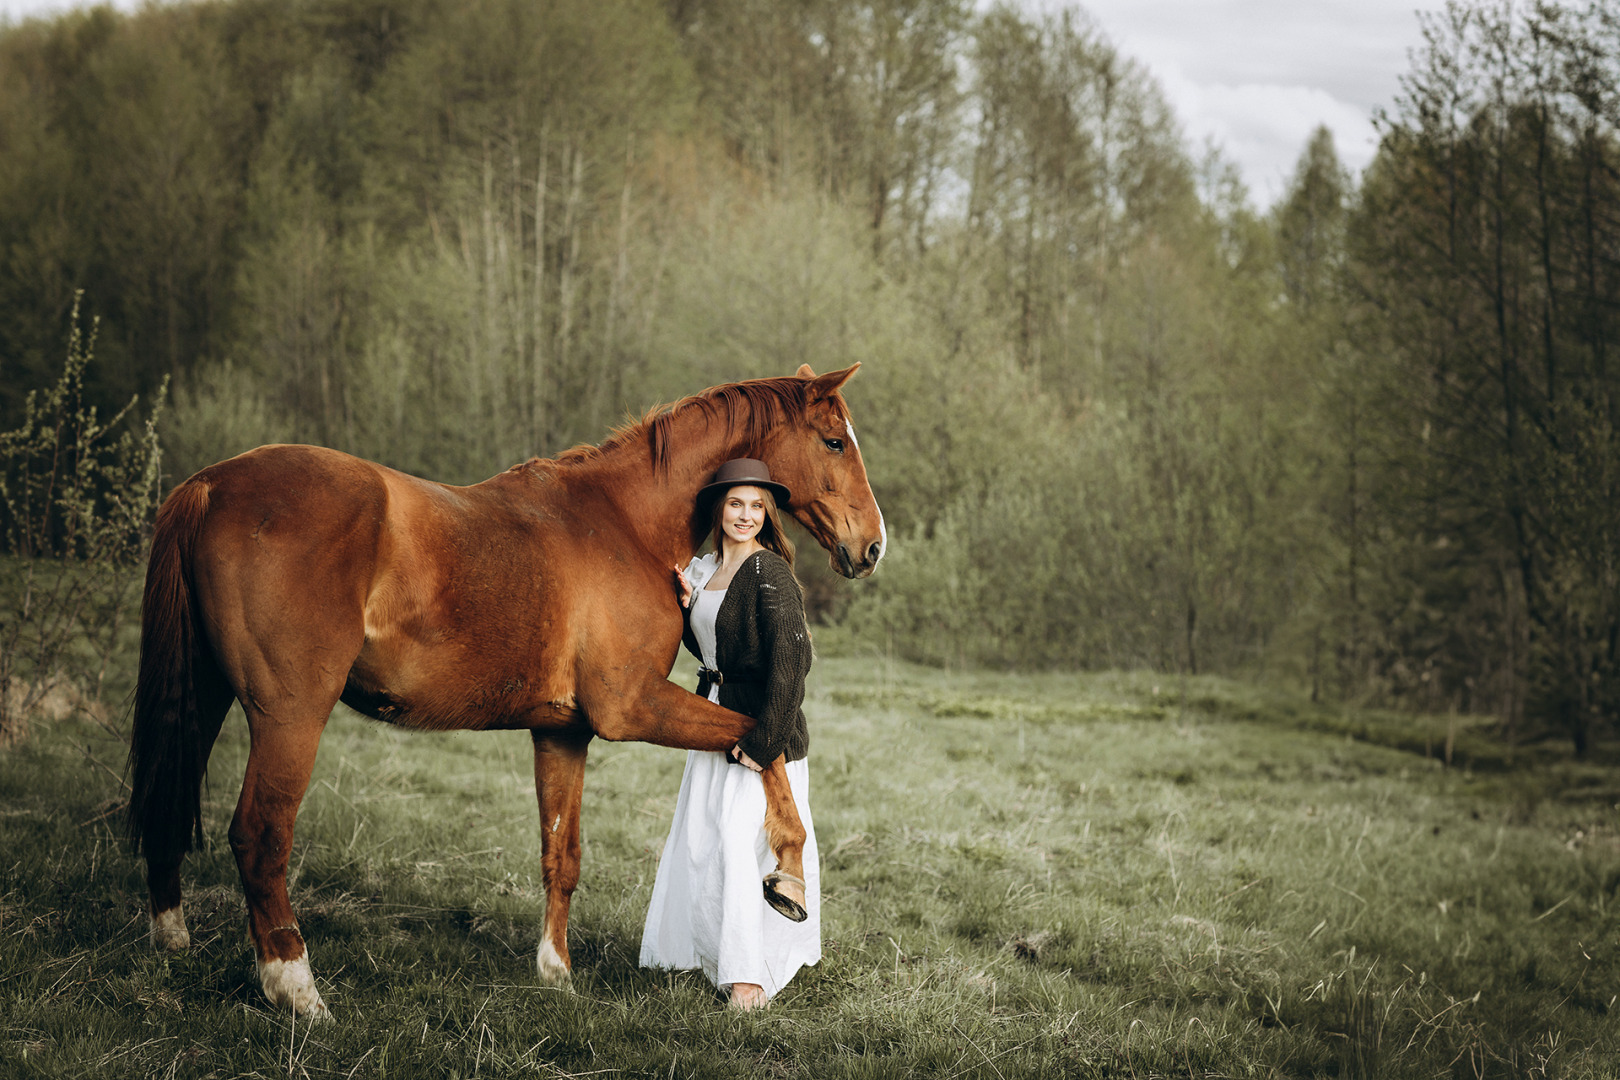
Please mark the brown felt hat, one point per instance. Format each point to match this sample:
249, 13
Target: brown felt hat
740, 471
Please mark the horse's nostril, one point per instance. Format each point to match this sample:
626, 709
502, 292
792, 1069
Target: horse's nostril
874, 552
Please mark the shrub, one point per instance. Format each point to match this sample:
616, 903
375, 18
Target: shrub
76, 497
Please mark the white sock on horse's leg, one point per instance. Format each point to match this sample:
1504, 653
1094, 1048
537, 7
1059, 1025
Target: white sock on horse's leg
169, 929
288, 984
552, 967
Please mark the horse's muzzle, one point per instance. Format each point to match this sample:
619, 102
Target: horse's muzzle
846, 564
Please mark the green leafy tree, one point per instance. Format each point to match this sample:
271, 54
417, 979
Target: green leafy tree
1480, 239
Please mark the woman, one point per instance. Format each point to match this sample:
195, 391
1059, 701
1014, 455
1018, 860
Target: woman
745, 621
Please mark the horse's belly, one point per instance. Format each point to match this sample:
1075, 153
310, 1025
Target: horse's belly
424, 691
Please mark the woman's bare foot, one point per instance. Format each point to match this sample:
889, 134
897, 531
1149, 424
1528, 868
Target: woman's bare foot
748, 996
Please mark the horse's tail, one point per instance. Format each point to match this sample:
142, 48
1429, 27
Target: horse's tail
168, 750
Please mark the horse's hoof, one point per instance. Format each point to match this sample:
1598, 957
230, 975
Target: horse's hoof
319, 1013
169, 931
785, 893
288, 984
553, 968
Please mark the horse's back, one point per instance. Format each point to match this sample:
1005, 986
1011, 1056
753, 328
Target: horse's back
301, 511
434, 606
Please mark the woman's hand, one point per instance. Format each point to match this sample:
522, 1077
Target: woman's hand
743, 759
683, 588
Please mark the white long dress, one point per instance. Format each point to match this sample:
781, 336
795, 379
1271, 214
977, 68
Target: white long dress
708, 906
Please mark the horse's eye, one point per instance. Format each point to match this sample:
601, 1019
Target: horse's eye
835, 445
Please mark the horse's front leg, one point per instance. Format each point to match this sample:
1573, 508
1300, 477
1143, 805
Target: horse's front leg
662, 713
784, 831
559, 784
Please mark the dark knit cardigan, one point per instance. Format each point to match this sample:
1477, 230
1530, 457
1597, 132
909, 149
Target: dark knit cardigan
762, 647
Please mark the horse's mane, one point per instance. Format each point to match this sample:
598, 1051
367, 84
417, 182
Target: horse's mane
748, 409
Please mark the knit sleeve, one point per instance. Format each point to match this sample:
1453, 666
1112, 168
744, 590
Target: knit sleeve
785, 640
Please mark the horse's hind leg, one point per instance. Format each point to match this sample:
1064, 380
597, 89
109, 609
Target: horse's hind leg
278, 770
559, 783
164, 855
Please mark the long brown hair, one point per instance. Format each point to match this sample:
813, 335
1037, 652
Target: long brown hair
773, 537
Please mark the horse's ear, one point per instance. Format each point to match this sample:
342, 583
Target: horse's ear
825, 386
804, 372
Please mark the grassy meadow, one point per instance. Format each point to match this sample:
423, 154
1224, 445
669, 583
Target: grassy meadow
1025, 876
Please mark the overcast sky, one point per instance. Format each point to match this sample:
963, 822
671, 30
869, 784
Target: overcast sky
1256, 76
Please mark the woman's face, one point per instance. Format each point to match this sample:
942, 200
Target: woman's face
742, 513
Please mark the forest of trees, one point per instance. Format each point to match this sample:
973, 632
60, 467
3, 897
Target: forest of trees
1364, 442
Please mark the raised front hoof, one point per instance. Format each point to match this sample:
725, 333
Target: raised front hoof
169, 933
785, 893
553, 969
288, 984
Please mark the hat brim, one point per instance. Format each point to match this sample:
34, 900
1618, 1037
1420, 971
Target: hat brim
709, 491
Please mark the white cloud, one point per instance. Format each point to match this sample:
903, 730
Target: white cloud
1263, 127
15, 11
1258, 76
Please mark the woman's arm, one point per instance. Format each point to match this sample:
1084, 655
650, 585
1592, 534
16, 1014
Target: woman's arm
685, 583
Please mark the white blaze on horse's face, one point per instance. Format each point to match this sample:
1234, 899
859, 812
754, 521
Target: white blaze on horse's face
820, 462
883, 532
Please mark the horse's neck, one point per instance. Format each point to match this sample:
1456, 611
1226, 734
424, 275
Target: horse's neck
659, 502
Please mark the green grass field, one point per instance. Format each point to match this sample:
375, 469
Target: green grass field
1045, 876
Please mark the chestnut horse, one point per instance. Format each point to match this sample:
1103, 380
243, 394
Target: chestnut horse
292, 577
